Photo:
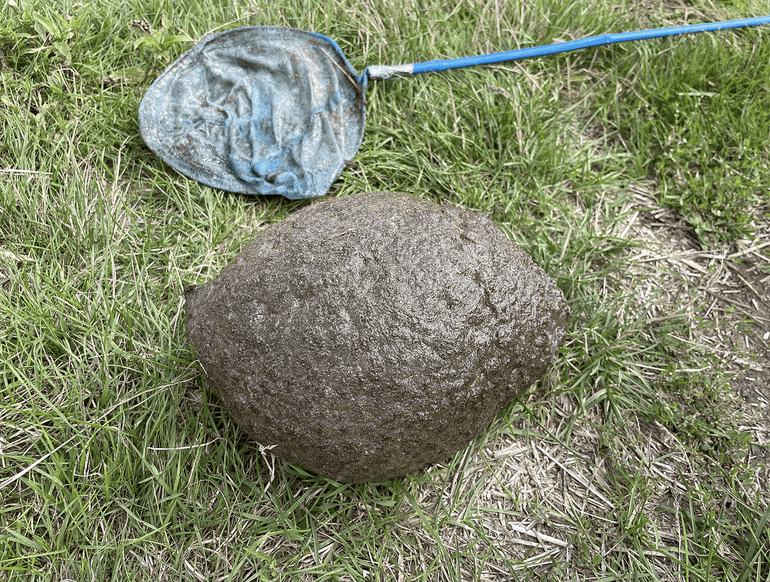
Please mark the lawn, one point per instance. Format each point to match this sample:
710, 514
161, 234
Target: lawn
636, 175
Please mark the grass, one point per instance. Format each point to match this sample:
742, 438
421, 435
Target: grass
636, 175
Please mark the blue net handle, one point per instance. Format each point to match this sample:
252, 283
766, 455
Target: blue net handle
385, 71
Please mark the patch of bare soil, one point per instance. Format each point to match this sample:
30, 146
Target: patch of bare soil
726, 293
729, 289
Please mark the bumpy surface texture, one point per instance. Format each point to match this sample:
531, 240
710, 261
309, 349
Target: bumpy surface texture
369, 336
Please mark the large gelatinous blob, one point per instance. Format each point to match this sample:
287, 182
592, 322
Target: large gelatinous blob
371, 335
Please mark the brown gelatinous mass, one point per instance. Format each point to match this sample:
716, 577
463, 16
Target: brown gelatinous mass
368, 336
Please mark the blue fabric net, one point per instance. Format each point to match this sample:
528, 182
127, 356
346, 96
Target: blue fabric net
257, 110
